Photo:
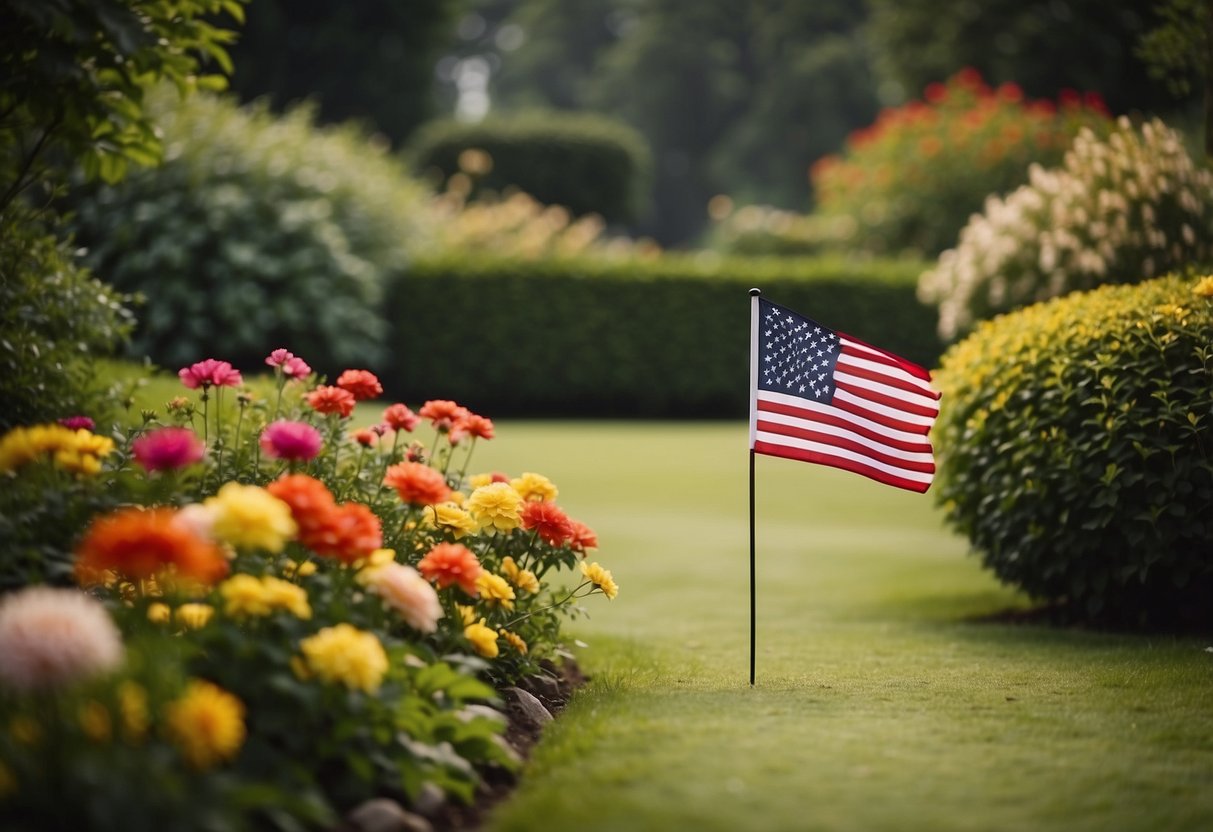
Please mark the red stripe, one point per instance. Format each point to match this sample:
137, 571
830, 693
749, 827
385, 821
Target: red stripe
840, 422
900, 382
837, 462
886, 400
847, 445
887, 421
886, 357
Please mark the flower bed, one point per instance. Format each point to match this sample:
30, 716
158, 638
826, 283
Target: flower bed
247, 614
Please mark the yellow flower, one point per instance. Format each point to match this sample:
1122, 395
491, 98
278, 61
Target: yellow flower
206, 724
244, 595
194, 616
132, 705
372, 563
478, 480
514, 640
284, 595
249, 516
78, 451
483, 639
1204, 288
95, 721
534, 487
159, 613
495, 591
601, 578
346, 655
449, 517
496, 506
524, 579
292, 570
466, 613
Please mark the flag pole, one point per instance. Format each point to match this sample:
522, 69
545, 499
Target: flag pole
754, 293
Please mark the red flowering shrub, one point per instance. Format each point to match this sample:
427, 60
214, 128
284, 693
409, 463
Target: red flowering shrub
912, 179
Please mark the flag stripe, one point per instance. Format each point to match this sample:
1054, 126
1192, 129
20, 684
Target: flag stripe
826, 435
879, 413
881, 373
909, 483
888, 396
804, 414
877, 354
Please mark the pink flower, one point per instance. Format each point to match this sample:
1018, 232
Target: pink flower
52, 637
78, 423
399, 417
279, 357
295, 367
209, 373
167, 448
291, 440
411, 595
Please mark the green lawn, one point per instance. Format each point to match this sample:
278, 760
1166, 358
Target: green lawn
882, 701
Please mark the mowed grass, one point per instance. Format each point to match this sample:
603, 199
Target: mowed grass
883, 701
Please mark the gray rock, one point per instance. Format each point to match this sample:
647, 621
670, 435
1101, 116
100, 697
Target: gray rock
544, 687
429, 800
527, 707
383, 815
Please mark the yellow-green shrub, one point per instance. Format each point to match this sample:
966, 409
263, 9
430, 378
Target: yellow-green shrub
1075, 447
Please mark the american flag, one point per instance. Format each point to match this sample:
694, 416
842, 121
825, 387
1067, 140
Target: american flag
825, 397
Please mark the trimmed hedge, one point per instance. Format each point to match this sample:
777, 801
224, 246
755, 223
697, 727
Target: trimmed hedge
1074, 448
664, 337
585, 162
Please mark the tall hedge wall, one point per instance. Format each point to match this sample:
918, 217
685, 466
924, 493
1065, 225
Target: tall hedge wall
666, 337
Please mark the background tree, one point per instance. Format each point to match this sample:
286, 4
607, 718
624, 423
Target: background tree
1179, 52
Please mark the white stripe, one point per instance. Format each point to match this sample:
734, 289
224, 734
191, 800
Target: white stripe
815, 407
846, 360
819, 427
891, 412
817, 447
906, 396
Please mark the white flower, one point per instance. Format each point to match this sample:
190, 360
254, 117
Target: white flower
52, 637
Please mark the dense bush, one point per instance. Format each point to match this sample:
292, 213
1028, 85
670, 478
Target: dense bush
55, 320
911, 180
255, 229
1074, 447
632, 337
760, 230
587, 163
1119, 210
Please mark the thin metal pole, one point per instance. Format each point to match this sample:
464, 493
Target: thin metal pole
752, 594
754, 294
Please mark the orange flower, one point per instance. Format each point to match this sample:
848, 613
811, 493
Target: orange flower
549, 521
308, 498
326, 399
139, 543
443, 414
365, 437
472, 424
361, 384
399, 417
347, 532
451, 563
584, 538
416, 483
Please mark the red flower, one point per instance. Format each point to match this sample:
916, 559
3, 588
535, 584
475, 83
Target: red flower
479, 427
399, 417
362, 384
548, 520
936, 93
417, 484
209, 373
347, 532
443, 414
167, 448
584, 538
140, 543
451, 563
309, 499
78, 423
325, 399
365, 437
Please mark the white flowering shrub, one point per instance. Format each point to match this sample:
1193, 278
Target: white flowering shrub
1120, 210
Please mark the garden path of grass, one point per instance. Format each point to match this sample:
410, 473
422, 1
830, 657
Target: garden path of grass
881, 703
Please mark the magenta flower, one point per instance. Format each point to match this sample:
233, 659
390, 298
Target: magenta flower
168, 448
209, 373
292, 365
78, 423
291, 440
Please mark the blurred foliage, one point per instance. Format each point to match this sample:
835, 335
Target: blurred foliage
1045, 46
734, 97
1179, 52
758, 230
1120, 209
255, 230
585, 162
1074, 450
369, 62
54, 319
912, 180
600, 337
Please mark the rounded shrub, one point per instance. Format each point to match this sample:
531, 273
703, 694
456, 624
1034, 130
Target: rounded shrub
911, 180
1119, 210
585, 162
255, 230
1075, 449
